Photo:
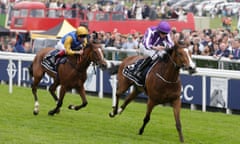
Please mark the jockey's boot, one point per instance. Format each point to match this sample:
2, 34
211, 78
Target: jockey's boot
57, 56
141, 67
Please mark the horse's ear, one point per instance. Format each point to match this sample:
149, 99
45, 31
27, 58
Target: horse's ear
175, 43
180, 41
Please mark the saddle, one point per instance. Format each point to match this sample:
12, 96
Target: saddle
51, 62
128, 72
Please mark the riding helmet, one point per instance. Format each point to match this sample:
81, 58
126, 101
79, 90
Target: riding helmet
164, 27
82, 31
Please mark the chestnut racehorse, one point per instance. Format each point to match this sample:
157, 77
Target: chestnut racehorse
162, 83
71, 74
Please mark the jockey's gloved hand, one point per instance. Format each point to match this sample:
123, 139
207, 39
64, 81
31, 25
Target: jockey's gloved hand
166, 45
79, 47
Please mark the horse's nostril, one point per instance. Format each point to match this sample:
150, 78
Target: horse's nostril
103, 66
192, 70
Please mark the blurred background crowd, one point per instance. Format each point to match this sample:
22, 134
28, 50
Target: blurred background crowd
217, 42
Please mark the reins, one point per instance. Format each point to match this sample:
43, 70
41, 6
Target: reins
174, 63
177, 67
82, 58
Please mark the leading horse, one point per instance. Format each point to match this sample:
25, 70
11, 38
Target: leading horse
162, 83
71, 74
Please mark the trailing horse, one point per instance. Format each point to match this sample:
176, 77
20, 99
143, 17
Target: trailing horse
71, 74
162, 83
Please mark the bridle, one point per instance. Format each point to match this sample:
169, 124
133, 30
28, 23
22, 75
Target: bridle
86, 56
176, 66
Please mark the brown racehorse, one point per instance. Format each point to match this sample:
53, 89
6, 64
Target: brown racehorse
162, 84
71, 74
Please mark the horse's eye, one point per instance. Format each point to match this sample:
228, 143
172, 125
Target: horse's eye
181, 42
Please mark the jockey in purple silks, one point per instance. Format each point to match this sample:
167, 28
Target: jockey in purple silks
156, 39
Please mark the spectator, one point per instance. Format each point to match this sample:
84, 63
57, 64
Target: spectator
153, 13
119, 6
194, 46
2, 8
52, 9
222, 51
139, 12
108, 7
207, 51
205, 41
61, 4
18, 47
109, 41
164, 11
227, 22
117, 41
74, 8
146, 11
181, 14
236, 49
130, 44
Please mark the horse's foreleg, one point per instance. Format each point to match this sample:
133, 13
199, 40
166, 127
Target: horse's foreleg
59, 103
82, 94
176, 111
122, 87
115, 107
150, 106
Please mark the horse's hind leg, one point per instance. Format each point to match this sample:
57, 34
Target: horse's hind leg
122, 87
129, 98
150, 106
53, 88
176, 111
37, 77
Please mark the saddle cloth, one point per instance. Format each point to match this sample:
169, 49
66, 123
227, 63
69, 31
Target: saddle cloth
129, 70
50, 63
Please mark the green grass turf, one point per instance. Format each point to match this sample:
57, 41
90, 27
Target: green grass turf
92, 124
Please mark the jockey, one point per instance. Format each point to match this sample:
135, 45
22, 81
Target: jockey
156, 39
71, 43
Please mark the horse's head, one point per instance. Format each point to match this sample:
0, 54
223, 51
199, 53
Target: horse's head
95, 54
183, 57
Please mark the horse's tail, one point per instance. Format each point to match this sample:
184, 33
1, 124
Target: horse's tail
30, 70
113, 68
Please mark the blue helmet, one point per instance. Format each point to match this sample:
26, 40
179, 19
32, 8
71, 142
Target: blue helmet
164, 27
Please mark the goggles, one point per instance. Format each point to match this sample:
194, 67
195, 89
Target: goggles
163, 33
82, 36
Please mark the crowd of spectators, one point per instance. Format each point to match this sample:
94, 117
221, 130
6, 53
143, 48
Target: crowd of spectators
218, 43
221, 42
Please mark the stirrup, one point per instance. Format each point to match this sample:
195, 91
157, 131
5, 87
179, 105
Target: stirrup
139, 75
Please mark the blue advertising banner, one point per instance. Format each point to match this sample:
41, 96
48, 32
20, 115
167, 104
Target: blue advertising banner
191, 93
234, 95
5, 70
191, 89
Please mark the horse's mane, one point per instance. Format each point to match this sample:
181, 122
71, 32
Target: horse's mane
178, 43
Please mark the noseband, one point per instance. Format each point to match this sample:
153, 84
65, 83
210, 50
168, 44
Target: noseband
177, 67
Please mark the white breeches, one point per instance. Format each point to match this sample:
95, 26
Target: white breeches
60, 46
150, 52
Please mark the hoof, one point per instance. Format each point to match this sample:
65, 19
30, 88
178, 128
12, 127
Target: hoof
35, 112
71, 107
140, 132
58, 111
51, 113
111, 115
